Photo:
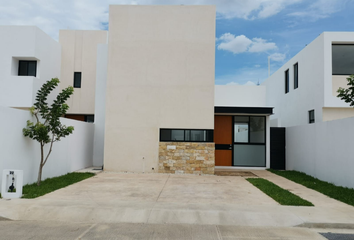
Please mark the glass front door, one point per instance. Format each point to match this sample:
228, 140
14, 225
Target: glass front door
249, 147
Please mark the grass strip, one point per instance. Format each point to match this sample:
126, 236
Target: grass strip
342, 194
282, 196
52, 184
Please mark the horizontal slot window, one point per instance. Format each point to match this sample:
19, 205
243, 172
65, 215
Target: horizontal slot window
186, 135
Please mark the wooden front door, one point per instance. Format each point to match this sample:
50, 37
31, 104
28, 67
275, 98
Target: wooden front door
223, 140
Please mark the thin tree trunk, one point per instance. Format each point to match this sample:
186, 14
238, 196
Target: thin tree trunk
44, 161
40, 167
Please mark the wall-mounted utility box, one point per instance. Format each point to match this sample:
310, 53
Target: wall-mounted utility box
12, 183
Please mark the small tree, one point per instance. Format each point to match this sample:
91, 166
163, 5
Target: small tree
48, 128
347, 94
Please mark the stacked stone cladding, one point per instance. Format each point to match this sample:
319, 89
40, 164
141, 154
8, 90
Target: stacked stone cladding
186, 157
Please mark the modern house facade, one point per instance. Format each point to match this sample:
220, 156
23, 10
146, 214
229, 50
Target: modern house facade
78, 69
25, 64
305, 88
148, 86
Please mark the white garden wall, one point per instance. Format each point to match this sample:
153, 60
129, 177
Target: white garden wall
323, 150
18, 152
100, 104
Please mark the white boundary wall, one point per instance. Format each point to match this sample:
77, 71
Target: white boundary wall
100, 104
323, 150
22, 153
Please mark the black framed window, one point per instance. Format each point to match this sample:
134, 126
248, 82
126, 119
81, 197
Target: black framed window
296, 75
342, 59
89, 118
249, 129
287, 81
249, 147
77, 79
186, 135
27, 68
311, 116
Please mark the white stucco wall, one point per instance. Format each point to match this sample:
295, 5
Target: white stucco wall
241, 96
79, 54
100, 104
25, 43
21, 153
323, 150
291, 109
161, 62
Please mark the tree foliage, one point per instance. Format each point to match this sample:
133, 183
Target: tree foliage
347, 94
47, 127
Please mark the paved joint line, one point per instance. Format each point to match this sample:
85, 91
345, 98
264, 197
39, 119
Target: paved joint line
157, 198
86, 231
218, 233
163, 188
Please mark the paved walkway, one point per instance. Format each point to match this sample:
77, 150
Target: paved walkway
22, 230
176, 199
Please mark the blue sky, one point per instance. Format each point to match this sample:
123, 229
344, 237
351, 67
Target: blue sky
247, 31
290, 32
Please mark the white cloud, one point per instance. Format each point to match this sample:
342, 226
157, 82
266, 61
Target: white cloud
51, 15
232, 83
320, 9
261, 45
257, 65
278, 57
248, 83
244, 76
234, 44
240, 44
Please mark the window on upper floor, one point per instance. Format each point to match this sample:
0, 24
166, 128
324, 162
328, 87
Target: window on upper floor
27, 68
296, 75
342, 59
77, 79
287, 81
311, 116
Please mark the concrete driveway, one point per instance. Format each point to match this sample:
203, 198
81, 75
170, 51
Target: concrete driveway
175, 199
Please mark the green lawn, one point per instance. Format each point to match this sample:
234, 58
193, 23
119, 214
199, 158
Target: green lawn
282, 196
52, 184
342, 194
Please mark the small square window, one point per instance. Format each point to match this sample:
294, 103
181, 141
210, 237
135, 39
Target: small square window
311, 116
77, 79
27, 68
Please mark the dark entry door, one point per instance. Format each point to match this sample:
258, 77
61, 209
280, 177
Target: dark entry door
223, 140
277, 148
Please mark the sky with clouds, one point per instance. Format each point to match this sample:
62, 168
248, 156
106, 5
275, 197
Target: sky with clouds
247, 32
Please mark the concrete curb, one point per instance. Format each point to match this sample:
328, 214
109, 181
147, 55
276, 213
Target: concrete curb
327, 225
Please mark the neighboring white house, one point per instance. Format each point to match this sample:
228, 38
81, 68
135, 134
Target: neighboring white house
28, 57
310, 80
319, 125
78, 69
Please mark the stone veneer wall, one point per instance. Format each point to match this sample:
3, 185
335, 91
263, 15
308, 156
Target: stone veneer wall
186, 157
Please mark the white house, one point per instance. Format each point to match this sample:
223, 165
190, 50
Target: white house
148, 86
28, 58
306, 86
